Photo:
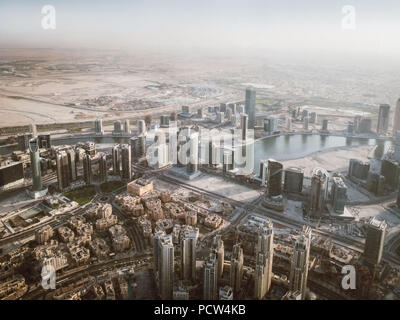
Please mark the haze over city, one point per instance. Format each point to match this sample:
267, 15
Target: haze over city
199, 150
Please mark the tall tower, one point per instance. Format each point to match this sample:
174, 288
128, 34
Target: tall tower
116, 157
193, 163
127, 129
103, 170
396, 121
264, 257
318, 192
274, 178
383, 119
218, 248
236, 271
210, 281
188, 253
164, 257
244, 125
299, 264
87, 168
126, 173
251, 106
63, 174
37, 184
374, 241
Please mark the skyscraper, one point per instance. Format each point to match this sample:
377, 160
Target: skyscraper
318, 192
374, 241
141, 124
103, 170
339, 194
23, 141
383, 119
127, 127
299, 264
218, 248
63, 174
164, 263
35, 165
193, 164
116, 158
138, 147
98, 127
87, 168
264, 257
210, 281
188, 253
251, 106
244, 125
396, 121
236, 271
126, 172
274, 178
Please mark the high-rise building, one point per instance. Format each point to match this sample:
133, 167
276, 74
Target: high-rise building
365, 125
251, 106
98, 127
126, 172
37, 184
236, 270
23, 141
210, 281
87, 168
188, 253
270, 125
338, 194
390, 169
305, 123
33, 130
396, 121
164, 121
304, 114
313, 117
289, 124
244, 125
103, 170
127, 127
193, 163
218, 248
141, 124
358, 169
164, 263
374, 241
117, 128
72, 165
116, 158
383, 119
318, 192
63, 174
274, 178
44, 141
264, 257
138, 147
324, 125
293, 181
299, 264
397, 146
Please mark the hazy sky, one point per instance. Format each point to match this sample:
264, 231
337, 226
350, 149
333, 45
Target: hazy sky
218, 25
